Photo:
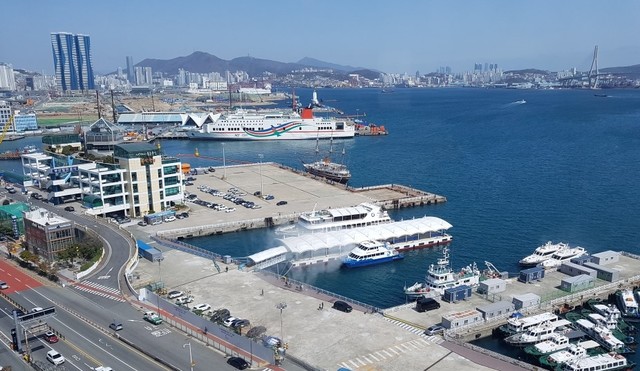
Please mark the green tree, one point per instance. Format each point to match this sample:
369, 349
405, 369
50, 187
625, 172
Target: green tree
29, 256
69, 254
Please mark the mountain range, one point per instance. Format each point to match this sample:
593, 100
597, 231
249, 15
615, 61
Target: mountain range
201, 62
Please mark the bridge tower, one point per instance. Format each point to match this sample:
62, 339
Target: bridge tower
593, 75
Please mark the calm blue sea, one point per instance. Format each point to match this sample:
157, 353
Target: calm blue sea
564, 166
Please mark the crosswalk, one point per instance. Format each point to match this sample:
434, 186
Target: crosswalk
367, 360
100, 290
437, 339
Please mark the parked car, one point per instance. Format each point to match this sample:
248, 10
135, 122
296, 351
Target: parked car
55, 357
238, 363
184, 300
12, 190
170, 218
122, 220
229, 321
342, 306
115, 326
280, 203
175, 294
50, 337
434, 330
426, 304
35, 310
157, 222
220, 315
142, 223
201, 307
241, 323
70, 208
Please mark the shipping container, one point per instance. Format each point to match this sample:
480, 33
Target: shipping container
455, 294
150, 253
531, 274
606, 257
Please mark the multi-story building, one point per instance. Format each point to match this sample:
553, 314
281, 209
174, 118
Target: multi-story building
46, 234
72, 61
130, 74
5, 114
7, 78
141, 182
24, 121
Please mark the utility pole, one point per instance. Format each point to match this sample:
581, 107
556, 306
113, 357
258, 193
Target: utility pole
113, 109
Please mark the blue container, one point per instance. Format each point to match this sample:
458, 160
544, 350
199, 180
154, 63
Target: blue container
531, 274
150, 253
456, 294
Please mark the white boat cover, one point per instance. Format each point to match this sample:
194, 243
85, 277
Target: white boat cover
328, 240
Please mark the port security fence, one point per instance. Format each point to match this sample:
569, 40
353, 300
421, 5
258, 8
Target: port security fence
311, 290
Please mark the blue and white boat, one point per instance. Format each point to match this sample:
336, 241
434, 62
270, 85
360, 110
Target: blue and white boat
370, 253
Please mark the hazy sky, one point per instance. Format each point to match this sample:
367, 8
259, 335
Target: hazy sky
390, 36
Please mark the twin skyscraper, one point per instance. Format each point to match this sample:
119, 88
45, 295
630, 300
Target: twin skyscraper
72, 61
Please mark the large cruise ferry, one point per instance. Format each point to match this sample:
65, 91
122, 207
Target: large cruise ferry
273, 125
363, 215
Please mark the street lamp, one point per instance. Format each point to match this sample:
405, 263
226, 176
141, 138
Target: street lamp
224, 164
261, 156
281, 306
190, 356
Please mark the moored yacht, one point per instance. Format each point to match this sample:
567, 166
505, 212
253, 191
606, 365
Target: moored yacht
542, 253
370, 253
574, 351
563, 255
627, 303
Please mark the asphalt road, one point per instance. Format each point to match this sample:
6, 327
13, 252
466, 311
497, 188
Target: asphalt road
85, 310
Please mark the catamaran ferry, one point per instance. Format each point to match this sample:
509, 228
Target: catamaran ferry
272, 125
370, 253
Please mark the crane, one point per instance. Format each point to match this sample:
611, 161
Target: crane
6, 127
492, 271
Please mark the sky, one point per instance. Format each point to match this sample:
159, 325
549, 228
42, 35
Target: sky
399, 36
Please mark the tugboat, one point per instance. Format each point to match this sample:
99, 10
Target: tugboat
441, 276
370, 253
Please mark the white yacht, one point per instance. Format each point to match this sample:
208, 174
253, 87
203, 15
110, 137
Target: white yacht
542, 253
627, 303
602, 335
563, 255
600, 362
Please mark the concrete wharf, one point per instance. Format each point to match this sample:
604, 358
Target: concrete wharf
303, 193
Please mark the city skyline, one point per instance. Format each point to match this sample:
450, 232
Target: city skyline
399, 37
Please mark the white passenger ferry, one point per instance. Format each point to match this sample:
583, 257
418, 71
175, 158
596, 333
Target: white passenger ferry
602, 335
542, 253
600, 362
553, 344
538, 333
272, 125
327, 220
516, 324
370, 253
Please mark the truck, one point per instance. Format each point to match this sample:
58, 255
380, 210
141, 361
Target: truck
152, 317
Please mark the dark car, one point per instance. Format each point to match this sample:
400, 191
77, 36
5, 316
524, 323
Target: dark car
342, 306
11, 190
426, 304
69, 208
280, 203
37, 196
50, 337
238, 363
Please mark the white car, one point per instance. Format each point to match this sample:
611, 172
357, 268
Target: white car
170, 218
230, 210
201, 307
55, 357
229, 321
36, 309
175, 294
